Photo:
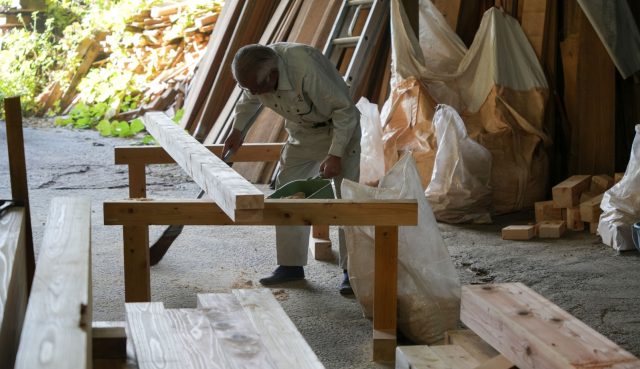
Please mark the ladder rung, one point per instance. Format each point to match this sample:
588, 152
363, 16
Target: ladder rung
360, 2
346, 41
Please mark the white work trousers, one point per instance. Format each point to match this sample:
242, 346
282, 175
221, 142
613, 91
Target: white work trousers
301, 159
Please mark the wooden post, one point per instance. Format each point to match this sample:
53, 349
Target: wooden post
137, 277
385, 300
319, 243
18, 174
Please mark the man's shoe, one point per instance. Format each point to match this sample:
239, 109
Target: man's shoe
345, 286
284, 274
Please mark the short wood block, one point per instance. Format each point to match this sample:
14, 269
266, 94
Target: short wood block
546, 211
566, 194
518, 232
109, 340
617, 177
434, 357
320, 249
497, 362
574, 222
551, 228
590, 210
601, 183
586, 195
593, 228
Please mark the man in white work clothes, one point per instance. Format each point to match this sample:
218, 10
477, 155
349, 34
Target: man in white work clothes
323, 124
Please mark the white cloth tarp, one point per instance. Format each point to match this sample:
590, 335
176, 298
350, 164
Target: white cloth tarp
621, 204
618, 31
497, 86
428, 284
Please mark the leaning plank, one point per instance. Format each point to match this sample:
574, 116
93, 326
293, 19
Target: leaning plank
226, 187
13, 283
57, 326
285, 344
276, 212
233, 329
532, 332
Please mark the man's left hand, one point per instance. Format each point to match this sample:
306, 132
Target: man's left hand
331, 166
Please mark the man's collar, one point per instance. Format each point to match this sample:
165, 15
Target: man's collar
283, 78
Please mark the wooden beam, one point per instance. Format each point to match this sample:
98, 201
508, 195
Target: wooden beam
276, 212
229, 190
532, 332
385, 303
109, 340
566, 194
13, 283
18, 174
248, 152
57, 326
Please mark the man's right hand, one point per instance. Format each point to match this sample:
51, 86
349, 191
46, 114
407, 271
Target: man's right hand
233, 142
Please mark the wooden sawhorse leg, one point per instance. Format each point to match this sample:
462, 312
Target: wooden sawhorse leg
137, 273
385, 299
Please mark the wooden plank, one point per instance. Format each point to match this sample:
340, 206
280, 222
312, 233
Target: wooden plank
551, 228
546, 211
18, 174
209, 65
229, 190
385, 303
471, 342
535, 18
136, 263
237, 337
590, 210
418, 357
87, 58
152, 335
285, 344
13, 282
497, 362
157, 155
455, 356
450, 9
518, 232
57, 325
566, 194
276, 212
532, 332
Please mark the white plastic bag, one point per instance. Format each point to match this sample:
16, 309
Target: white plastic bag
428, 284
460, 186
372, 155
621, 204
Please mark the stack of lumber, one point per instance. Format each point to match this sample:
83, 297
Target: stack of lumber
160, 49
575, 201
512, 325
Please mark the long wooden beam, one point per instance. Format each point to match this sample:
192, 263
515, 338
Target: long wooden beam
248, 152
275, 212
238, 198
532, 332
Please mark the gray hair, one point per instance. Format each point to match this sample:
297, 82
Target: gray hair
258, 59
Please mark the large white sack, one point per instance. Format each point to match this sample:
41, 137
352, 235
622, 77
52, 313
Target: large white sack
460, 187
372, 154
428, 284
621, 204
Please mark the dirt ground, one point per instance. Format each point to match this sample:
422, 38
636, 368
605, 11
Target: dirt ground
577, 272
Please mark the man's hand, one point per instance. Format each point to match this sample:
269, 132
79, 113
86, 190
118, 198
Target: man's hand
233, 142
331, 166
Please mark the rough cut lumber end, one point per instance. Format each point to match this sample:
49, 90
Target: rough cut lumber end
601, 183
384, 346
590, 210
546, 211
518, 232
566, 194
552, 228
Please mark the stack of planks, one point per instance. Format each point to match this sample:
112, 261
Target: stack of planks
227, 330
576, 201
160, 49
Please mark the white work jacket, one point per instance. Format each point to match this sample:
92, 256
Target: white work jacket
310, 91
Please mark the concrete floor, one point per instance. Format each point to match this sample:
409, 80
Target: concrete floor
577, 272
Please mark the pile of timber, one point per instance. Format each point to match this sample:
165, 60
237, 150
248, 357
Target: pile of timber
160, 50
576, 202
